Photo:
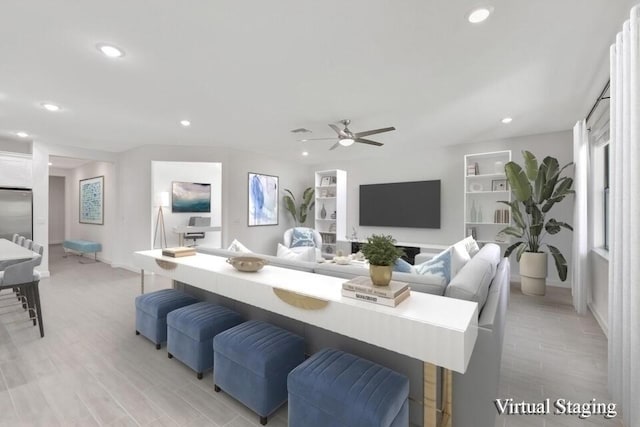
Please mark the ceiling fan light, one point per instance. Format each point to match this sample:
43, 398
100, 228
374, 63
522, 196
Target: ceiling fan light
345, 142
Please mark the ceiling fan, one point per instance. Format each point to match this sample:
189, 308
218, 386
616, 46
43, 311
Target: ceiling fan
347, 138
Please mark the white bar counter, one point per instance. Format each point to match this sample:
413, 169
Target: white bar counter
434, 329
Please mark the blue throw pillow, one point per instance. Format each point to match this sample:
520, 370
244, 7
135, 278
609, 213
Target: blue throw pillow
302, 237
402, 266
439, 265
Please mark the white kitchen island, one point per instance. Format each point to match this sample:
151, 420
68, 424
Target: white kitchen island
439, 331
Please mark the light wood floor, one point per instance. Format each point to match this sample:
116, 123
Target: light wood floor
91, 369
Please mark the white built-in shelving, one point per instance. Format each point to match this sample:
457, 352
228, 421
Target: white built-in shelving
485, 184
330, 208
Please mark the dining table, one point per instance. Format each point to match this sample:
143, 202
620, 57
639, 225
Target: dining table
13, 253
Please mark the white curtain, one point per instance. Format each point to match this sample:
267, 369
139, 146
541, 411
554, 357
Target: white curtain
624, 256
580, 278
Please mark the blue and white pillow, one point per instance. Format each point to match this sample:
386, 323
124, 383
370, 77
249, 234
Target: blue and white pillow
402, 266
302, 237
439, 265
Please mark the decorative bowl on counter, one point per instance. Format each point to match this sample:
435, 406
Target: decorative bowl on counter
342, 260
247, 264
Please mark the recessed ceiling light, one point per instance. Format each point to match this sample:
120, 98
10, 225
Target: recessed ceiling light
22, 134
50, 164
50, 107
506, 120
110, 51
185, 123
305, 153
479, 15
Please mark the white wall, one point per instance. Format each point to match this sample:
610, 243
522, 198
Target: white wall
162, 176
41, 153
57, 208
134, 172
447, 164
599, 296
105, 233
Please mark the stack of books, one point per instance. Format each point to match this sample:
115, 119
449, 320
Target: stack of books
178, 252
362, 289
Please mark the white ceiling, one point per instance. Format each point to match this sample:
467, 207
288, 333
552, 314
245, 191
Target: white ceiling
247, 72
67, 162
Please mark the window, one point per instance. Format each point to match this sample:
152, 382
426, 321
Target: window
605, 198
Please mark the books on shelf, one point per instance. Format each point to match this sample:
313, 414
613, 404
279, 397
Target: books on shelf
364, 284
390, 302
178, 252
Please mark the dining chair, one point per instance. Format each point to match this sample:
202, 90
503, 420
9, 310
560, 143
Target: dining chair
27, 243
15, 238
20, 240
23, 277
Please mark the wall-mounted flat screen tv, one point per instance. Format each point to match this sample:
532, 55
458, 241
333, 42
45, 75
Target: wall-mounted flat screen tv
413, 204
190, 197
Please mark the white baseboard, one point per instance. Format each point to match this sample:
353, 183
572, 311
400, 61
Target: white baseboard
56, 242
555, 283
127, 267
599, 319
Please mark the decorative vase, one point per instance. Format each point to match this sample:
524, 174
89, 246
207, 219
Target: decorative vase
479, 218
533, 273
498, 167
473, 215
380, 274
323, 212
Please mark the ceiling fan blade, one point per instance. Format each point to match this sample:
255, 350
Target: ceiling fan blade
334, 146
338, 130
373, 132
317, 139
368, 141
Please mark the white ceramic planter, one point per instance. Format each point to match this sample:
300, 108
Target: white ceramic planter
533, 273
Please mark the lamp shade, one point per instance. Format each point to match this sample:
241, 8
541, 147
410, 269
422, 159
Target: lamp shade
163, 199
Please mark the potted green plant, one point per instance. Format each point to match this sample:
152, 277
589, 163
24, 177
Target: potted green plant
381, 252
536, 190
300, 213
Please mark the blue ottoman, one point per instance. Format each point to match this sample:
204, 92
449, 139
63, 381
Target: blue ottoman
252, 361
338, 389
190, 332
152, 309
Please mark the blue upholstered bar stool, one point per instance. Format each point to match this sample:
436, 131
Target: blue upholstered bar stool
152, 310
251, 363
338, 389
190, 332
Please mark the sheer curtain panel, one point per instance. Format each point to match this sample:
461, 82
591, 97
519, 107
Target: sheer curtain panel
580, 277
624, 255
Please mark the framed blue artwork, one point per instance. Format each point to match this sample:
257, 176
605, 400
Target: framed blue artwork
190, 197
92, 200
263, 199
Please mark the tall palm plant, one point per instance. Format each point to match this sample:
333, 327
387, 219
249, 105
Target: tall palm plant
299, 214
537, 189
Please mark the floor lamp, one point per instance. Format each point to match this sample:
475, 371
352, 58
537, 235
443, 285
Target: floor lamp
163, 201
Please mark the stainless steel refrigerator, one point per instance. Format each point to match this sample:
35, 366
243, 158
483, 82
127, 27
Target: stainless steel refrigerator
16, 213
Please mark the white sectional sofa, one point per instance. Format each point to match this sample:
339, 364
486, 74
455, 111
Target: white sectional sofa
484, 278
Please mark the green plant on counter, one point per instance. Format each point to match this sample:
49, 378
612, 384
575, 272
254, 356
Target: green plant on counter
381, 250
536, 190
300, 213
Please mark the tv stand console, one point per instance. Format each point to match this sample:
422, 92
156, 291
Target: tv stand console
409, 250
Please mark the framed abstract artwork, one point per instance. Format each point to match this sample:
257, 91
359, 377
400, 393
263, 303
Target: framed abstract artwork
92, 200
190, 197
263, 199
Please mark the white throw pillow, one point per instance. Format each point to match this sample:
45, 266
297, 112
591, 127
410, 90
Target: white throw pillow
236, 246
307, 254
471, 245
459, 257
